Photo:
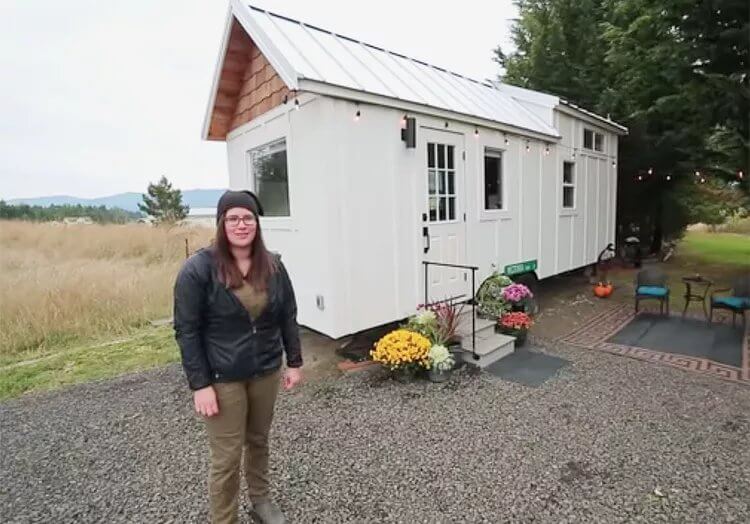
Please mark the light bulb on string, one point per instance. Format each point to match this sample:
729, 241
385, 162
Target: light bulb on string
698, 173
740, 175
703, 180
669, 177
650, 170
640, 177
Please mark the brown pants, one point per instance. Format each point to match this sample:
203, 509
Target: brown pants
244, 419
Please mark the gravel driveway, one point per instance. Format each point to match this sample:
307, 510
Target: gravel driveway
607, 440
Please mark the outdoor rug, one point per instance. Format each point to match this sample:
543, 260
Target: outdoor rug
530, 368
688, 343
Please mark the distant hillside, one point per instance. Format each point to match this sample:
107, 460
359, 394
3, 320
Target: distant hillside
128, 201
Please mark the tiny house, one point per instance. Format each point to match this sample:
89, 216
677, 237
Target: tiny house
370, 163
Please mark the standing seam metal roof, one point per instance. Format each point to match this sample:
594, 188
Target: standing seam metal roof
330, 58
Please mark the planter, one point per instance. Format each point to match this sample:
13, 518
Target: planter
457, 353
519, 334
405, 375
436, 375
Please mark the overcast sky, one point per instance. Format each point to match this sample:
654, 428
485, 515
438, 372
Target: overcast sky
101, 97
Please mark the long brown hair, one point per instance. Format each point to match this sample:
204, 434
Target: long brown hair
262, 263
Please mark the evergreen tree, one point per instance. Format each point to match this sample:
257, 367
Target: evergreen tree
163, 203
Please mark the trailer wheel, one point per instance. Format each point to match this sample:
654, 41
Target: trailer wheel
530, 281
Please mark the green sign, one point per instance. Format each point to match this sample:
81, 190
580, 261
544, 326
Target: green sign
521, 267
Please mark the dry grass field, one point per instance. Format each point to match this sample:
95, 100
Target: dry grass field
63, 284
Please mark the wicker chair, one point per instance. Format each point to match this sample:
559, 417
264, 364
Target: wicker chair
737, 302
651, 284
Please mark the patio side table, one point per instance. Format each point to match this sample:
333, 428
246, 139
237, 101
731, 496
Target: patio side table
695, 296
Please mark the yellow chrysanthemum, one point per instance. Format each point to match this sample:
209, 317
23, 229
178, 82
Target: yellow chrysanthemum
402, 347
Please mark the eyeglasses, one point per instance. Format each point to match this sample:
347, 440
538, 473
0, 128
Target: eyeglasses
234, 220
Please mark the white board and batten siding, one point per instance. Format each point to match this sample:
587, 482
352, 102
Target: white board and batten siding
357, 195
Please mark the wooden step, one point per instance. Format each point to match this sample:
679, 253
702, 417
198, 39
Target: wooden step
489, 349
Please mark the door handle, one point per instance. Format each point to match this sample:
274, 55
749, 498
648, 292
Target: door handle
426, 239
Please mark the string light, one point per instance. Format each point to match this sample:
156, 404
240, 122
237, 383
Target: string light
640, 177
697, 173
703, 180
669, 177
650, 170
740, 175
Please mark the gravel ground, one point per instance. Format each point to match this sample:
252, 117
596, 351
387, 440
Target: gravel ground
608, 440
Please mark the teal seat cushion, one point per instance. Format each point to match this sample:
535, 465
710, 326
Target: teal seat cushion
652, 291
733, 302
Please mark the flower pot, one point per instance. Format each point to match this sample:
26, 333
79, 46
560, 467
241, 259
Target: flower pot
457, 353
519, 334
436, 375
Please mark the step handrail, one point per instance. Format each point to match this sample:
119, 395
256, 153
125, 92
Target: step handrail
473, 301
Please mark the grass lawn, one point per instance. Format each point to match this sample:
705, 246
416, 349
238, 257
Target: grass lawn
729, 249
141, 349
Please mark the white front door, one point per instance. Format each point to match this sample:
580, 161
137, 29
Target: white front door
443, 221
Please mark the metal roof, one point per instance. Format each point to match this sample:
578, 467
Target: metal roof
299, 51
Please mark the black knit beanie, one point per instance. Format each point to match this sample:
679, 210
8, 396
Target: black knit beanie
244, 199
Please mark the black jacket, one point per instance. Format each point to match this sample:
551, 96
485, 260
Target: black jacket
218, 339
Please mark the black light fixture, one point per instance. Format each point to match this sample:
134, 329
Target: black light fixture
409, 131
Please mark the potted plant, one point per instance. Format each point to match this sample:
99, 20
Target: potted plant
516, 324
441, 363
516, 295
490, 301
404, 353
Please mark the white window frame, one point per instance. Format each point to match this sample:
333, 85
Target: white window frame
499, 154
447, 195
571, 184
594, 135
270, 148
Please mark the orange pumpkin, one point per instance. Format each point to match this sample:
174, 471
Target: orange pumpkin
603, 290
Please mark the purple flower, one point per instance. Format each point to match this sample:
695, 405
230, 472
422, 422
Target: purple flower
516, 293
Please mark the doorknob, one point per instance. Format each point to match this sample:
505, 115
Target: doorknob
426, 239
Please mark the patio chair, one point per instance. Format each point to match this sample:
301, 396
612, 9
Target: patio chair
651, 284
737, 302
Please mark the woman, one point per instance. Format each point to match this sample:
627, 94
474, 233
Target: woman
234, 315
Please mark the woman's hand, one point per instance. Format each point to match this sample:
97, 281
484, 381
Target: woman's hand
292, 377
205, 402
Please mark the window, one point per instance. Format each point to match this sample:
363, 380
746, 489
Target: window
593, 140
568, 185
441, 182
269, 173
598, 142
588, 139
493, 180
